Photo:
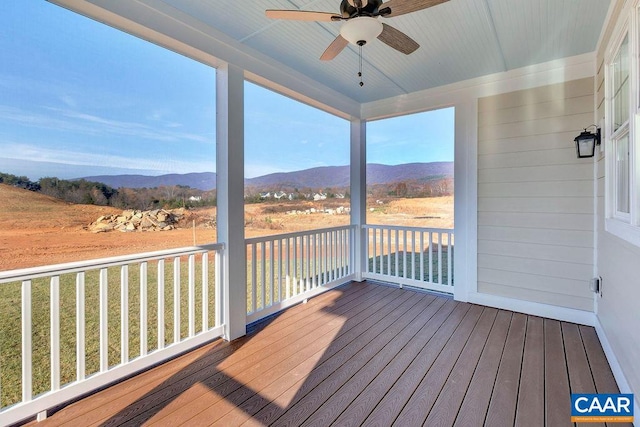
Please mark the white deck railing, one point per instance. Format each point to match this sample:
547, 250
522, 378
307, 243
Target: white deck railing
285, 269
69, 329
419, 257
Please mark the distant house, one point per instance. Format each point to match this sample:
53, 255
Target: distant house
339, 196
265, 195
319, 196
279, 195
195, 198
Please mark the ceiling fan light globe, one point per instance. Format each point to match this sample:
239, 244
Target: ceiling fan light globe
361, 29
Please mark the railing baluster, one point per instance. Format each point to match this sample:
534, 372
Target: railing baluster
27, 342
389, 251
345, 252
254, 277
272, 271
192, 295
104, 320
323, 251
80, 327
340, 253
161, 332
421, 256
413, 254
404, 254
314, 280
295, 266
381, 248
308, 258
218, 290
263, 275
440, 258
303, 264
397, 252
374, 247
334, 259
124, 314
449, 259
288, 267
55, 332
176, 300
205, 291
143, 308
430, 257
280, 268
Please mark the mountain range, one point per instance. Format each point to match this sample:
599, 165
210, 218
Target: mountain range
320, 177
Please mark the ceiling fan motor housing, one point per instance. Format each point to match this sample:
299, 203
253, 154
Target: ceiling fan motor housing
349, 8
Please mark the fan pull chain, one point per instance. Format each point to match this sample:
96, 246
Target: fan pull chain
360, 65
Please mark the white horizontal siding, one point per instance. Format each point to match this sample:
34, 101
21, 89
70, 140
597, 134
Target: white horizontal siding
535, 189
551, 285
542, 297
537, 96
543, 110
537, 251
544, 221
532, 143
543, 236
543, 268
537, 173
535, 198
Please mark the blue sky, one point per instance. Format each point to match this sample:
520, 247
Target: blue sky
79, 98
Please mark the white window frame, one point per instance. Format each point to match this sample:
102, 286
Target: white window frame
621, 224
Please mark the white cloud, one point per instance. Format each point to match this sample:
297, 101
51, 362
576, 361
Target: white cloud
88, 124
39, 154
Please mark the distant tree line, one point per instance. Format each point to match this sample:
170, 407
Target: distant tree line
96, 193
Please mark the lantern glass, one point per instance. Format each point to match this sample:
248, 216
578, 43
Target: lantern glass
586, 144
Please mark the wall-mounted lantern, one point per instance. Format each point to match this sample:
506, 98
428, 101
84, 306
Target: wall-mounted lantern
586, 142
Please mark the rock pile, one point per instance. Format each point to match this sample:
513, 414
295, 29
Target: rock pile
130, 220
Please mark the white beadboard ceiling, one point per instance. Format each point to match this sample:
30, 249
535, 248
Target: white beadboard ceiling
459, 39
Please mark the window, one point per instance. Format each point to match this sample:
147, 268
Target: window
620, 72
620, 128
622, 83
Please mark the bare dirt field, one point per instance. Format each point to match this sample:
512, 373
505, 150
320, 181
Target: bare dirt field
38, 230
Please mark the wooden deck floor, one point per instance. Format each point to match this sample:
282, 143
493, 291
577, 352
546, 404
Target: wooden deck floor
366, 354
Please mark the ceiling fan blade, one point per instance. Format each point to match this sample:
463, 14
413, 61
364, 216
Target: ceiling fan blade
397, 39
302, 15
334, 48
400, 7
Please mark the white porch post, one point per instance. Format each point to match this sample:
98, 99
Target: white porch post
466, 199
359, 192
230, 188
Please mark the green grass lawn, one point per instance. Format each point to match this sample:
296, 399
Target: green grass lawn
413, 266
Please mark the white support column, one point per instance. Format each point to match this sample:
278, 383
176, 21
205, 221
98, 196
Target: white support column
359, 192
466, 199
230, 188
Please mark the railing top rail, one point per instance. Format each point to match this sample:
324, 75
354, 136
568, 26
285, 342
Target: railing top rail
408, 228
75, 267
270, 237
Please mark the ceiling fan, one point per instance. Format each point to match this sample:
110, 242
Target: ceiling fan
361, 24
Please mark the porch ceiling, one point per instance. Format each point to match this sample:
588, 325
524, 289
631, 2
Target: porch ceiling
459, 40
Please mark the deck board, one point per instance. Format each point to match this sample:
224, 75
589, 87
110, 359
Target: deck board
530, 400
365, 354
502, 407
